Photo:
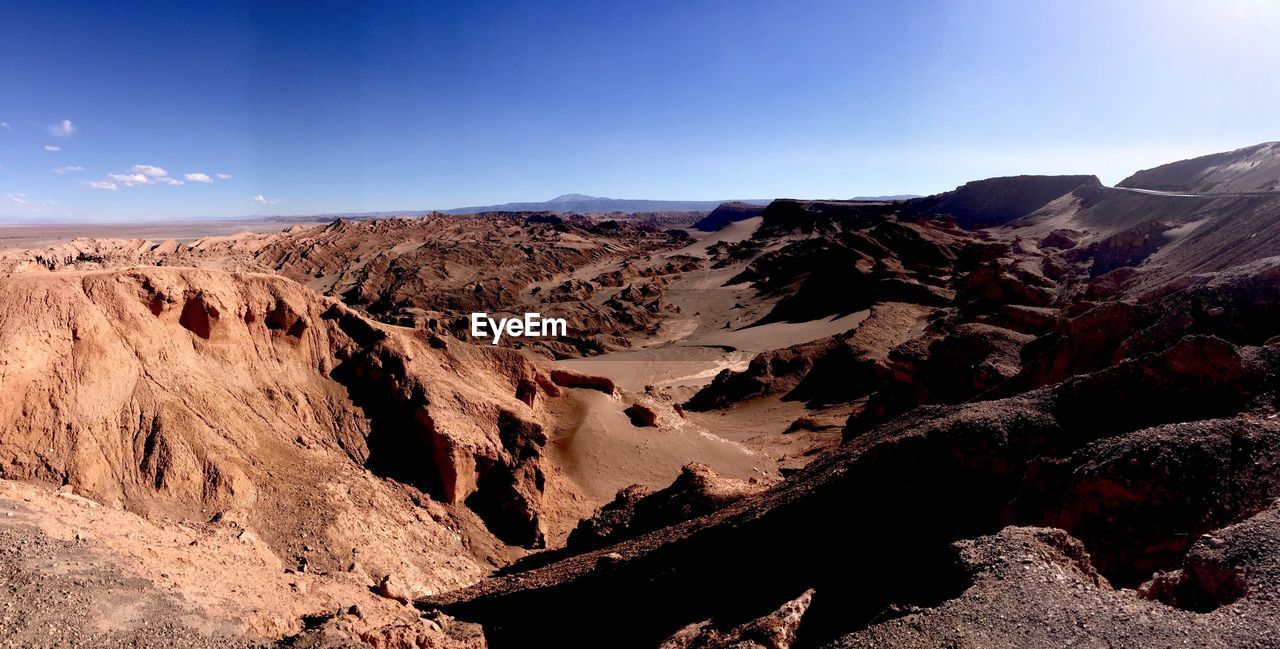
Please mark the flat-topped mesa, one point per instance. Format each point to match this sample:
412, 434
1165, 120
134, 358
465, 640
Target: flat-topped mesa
791, 216
976, 204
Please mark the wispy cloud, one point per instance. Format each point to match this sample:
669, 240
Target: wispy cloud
198, 178
62, 129
16, 199
5, 125
52, 148
101, 184
223, 176
263, 200
67, 169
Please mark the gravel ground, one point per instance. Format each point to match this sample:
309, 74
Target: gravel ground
64, 594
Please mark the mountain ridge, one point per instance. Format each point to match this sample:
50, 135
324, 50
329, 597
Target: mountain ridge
1253, 168
585, 204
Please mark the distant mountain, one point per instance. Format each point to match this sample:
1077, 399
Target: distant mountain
1251, 169
583, 204
576, 198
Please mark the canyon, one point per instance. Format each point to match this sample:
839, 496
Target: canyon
1035, 410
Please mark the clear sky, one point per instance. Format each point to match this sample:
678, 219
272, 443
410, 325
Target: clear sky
319, 107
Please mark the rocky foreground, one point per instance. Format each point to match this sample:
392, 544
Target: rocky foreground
1047, 418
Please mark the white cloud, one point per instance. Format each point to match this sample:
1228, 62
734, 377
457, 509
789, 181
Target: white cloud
67, 169
101, 184
198, 178
17, 199
149, 170
62, 129
144, 175
50, 147
5, 125
129, 180
222, 176
262, 200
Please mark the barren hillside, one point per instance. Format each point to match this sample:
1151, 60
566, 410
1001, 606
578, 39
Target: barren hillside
1251, 169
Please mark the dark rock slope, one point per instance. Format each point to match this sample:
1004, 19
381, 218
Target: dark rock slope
1251, 169
728, 213
870, 528
996, 201
1056, 440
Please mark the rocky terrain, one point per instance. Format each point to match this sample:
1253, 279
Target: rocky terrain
434, 271
1034, 411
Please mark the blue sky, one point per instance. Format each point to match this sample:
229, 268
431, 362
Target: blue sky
323, 107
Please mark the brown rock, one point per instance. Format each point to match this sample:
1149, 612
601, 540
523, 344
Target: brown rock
392, 588
642, 415
571, 379
636, 509
776, 630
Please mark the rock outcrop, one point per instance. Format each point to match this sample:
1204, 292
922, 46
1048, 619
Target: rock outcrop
699, 490
202, 391
776, 630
